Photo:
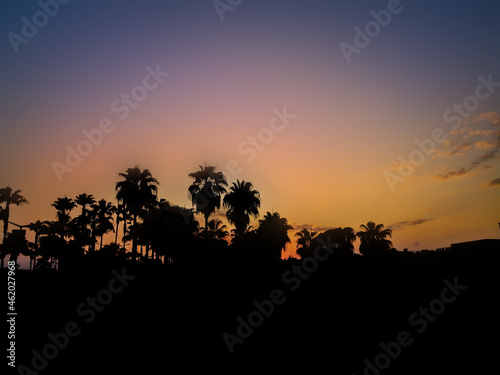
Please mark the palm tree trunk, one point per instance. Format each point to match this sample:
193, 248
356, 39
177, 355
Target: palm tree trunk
5, 228
92, 241
117, 227
134, 241
124, 230
100, 246
37, 238
6, 222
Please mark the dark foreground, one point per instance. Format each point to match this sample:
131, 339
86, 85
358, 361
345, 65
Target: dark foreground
404, 314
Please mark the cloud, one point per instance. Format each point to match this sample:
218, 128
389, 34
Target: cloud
409, 223
476, 164
298, 227
494, 182
458, 144
461, 147
486, 145
455, 151
458, 131
493, 144
479, 132
493, 117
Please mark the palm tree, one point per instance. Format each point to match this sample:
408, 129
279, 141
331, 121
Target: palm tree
273, 231
63, 207
304, 242
242, 202
137, 191
52, 246
348, 236
39, 227
80, 224
121, 215
216, 230
170, 230
102, 212
374, 239
206, 191
9, 196
84, 200
343, 238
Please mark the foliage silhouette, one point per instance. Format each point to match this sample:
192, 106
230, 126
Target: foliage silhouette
39, 227
273, 234
242, 202
207, 189
374, 239
138, 193
170, 230
343, 237
121, 216
84, 200
10, 197
102, 215
63, 206
305, 242
215, 231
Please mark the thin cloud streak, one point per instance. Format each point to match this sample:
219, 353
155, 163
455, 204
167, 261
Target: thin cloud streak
408, 223
494, 182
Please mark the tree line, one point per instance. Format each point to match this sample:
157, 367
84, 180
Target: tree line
159, 231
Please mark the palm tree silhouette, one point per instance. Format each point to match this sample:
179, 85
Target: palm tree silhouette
9, 196
63, 207
273, 231
374, 239
136, 191
121, 215
102, 213
80, 224
84, 200
216, 230
242, 202
39, 227
170, 230
206, 191
305, 242
52, 246
342, 237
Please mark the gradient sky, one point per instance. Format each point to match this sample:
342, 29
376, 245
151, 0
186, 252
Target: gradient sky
326, 168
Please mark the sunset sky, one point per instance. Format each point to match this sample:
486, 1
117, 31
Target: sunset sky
331, 127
